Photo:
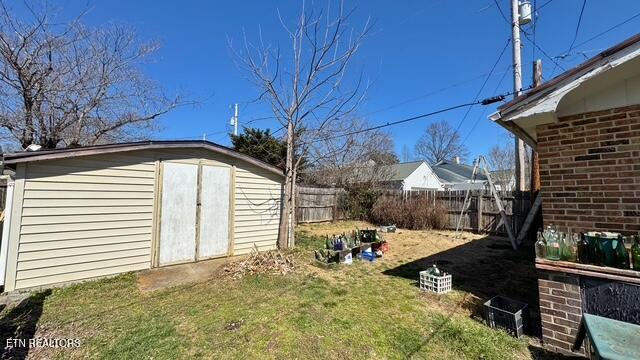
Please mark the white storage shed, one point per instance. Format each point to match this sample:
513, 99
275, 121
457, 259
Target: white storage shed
87, 212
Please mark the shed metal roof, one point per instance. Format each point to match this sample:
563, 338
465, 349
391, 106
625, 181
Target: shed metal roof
42, 155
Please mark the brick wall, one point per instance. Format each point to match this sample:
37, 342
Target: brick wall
560, 310
590, 171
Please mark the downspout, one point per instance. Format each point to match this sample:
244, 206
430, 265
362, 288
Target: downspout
6, 232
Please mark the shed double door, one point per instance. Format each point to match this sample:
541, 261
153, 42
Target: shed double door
194, 217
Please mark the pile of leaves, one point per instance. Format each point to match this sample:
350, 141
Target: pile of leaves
268, 262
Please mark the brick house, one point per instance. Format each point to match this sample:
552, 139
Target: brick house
585, 126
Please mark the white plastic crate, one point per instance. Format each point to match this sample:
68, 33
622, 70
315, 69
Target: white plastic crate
435, 284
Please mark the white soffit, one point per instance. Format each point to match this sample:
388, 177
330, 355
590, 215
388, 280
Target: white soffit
546, 103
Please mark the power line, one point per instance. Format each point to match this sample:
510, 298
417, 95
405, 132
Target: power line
608, 30
541, 6
526, 35
575, 35
486, 101
483, 112
483, 84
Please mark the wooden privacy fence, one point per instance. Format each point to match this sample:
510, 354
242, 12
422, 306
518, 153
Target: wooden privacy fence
482, 216
318, 204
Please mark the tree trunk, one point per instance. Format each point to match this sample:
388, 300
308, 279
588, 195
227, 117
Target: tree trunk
285, 223
292, 237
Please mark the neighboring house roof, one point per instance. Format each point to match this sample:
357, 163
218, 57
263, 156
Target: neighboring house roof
401, 171
450, 172
539, 105
26, 156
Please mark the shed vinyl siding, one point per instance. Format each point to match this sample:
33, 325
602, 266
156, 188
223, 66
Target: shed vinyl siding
90, 216
83, 218
257, 210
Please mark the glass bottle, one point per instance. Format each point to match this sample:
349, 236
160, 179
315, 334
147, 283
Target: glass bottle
635, 253
598, 252
541, 246
583, 250
570, 247
621, 254
562, 241
553, 245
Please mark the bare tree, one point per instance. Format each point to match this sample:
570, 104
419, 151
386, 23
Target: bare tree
440, 142
71, 85
406, 153
352, 158
307, 87
502, 161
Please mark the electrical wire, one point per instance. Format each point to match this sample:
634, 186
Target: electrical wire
485, 101
483, 112
575, 35
483, 85
608, 30
526, 36
541, 6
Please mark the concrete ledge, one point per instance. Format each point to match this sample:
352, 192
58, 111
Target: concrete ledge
605, 272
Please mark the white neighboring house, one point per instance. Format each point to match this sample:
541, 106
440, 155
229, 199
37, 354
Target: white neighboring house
415, 175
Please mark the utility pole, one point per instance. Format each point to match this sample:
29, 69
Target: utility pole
234, 120
517, 88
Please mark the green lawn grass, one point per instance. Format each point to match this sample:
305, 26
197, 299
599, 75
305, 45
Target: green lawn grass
350, 312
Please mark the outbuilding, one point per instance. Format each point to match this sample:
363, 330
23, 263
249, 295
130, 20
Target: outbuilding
75, 214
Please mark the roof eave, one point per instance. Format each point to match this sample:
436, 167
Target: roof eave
11, 159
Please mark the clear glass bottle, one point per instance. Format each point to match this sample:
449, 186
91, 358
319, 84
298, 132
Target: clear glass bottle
562, 241
541, 246
635, 253
553, 245
571, 247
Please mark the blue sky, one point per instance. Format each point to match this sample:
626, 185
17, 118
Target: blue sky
416, 49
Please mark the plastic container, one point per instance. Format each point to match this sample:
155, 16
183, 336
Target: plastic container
435, 284
368, 256
508, 314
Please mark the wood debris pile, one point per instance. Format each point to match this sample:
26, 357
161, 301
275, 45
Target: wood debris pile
267, 262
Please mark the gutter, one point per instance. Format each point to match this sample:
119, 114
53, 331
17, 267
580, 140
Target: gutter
512, 127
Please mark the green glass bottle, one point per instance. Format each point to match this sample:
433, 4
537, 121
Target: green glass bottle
635, 253
598, 253
583, 250
621, 254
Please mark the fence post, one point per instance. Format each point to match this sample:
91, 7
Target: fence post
334, 216
479, 214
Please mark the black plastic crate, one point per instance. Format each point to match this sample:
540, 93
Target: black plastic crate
508, 314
